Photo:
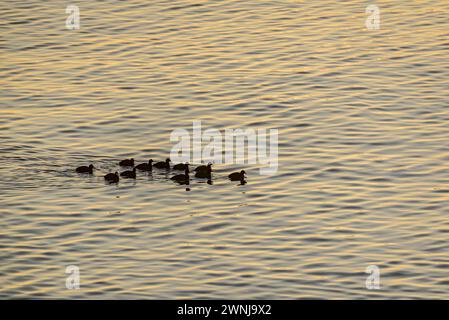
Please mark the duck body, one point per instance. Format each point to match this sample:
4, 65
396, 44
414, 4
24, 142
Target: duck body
127, 163
163, 164
237, 176
180, 166
146, 166
129, 174
86, 169
182, 177
204, 174
112, 177
204, 168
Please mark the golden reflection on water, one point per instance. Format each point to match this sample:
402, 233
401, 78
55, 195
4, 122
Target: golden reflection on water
362, 119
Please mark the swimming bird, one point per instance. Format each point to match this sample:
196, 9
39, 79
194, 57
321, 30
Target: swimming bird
180, 166
182, 177
85, 169
163, 164
146, 166
237, 176
112, 177
206, 174
203, 168
129, 174
127, 162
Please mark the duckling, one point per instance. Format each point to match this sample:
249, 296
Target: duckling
85, 169
182, 177
146, 166
163, 164
112, 177
127, 163
205, 174
129, 174
180, 166
237, 176
203, 168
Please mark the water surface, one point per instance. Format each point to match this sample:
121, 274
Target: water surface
363, 126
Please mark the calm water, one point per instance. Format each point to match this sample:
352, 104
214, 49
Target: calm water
363, 124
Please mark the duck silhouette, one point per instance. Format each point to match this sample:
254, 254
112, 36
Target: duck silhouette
180, 166
129, 174
182, 177
146, 166
112, 177
237, 176
204, 168
86, 169
163, 164
127, 162
204, 174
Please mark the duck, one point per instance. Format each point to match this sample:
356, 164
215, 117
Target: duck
163, 164
206, 174
85, 169
129, 174
180, 166
146, 166
204, 168
237, 176
182, 177
127, 163
112, 177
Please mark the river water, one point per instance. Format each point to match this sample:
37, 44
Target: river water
363, 126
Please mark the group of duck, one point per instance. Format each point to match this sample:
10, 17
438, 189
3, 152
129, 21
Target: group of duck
202, 172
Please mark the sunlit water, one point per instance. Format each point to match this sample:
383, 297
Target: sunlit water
363, 124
